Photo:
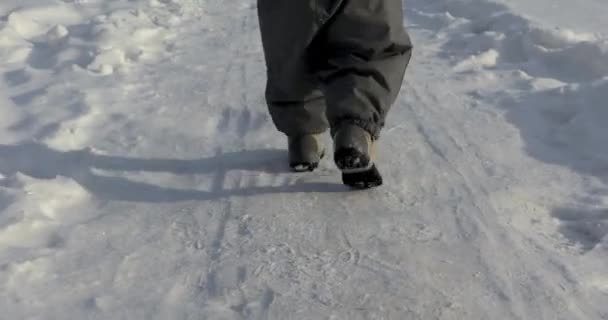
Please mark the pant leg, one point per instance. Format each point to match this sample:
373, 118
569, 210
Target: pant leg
365, 51
296, 104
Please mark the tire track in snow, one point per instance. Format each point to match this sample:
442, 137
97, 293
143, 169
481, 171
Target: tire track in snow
460, 152
474, 216
238, 124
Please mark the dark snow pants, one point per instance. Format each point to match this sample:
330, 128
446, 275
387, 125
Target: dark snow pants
332, 61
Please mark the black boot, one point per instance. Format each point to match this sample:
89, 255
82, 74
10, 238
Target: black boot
354, 156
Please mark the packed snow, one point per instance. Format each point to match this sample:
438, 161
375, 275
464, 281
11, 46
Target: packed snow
141, 177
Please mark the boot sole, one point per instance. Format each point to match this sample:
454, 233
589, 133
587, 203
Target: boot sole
368, 179
358, 170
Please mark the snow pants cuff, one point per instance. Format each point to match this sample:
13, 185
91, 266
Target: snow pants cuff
367, 125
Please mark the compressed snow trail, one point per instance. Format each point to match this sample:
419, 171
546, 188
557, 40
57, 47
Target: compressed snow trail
141, 177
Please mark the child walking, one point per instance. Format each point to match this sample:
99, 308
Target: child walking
337, 65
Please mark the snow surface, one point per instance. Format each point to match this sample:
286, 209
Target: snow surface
141, 177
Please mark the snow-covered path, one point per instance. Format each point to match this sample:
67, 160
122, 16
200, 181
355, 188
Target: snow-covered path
141, 177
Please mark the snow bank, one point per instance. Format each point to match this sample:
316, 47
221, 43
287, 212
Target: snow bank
576, 115
54, 36
482, 30
560, 73
39, 211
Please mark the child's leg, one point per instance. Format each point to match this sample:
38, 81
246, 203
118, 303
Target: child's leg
367, 51
296, 104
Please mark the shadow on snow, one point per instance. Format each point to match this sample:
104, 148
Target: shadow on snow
41, 162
